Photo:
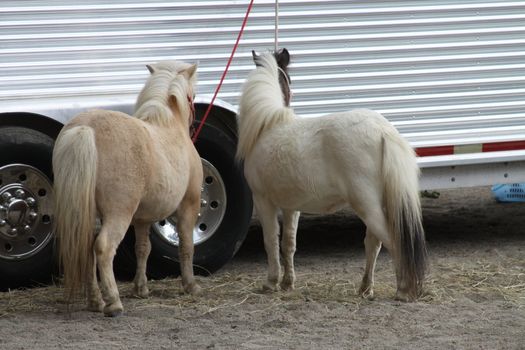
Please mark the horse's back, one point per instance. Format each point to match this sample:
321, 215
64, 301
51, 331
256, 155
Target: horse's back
317, 160
317, 142
362, 125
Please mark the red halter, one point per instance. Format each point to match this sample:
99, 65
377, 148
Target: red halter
192, 115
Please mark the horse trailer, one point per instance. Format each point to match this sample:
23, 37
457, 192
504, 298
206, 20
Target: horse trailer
449, 75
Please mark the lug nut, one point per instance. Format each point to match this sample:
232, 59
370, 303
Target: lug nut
13, 231
30, 201
6, 196
33, 215
2, 222
203, 203
27, 228
19, 193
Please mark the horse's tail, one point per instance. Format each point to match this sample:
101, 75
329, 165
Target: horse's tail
75, 170
261, 105
403, 209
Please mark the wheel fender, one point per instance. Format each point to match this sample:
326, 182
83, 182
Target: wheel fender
37, 122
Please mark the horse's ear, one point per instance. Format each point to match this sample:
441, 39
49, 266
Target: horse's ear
283, 58
191, 70
256, 58
151, 68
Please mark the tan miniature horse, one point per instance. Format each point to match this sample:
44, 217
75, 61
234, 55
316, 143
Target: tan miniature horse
127, 170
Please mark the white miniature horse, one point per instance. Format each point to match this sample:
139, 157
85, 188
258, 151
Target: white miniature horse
319, 165
127, 170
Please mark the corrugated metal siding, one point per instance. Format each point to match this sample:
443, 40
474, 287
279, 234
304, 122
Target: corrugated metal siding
92, 50
444, 72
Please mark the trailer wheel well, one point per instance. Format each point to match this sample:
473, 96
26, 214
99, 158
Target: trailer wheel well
220, 117
38, 122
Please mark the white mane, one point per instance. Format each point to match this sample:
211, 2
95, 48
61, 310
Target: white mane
167, 80
261, 105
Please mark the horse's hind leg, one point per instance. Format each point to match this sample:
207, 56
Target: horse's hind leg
372, 248
367, 205
268, 216
106, 244
94, 297
290, 222
142, 250
377, 225
186, 215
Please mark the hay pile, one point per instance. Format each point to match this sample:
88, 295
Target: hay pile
479, 281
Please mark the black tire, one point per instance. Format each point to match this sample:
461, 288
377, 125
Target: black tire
217, 147
25, 156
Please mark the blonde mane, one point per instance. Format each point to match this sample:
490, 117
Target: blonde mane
261, 106
168, 78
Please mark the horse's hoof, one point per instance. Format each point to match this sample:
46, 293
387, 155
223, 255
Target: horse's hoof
368, 295
115, 313
141, 292
269, 287
95, 307
403, 296
113, 310
193, 289
287, 285
367, 292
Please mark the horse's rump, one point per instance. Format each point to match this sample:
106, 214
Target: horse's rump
123, 143
139, 162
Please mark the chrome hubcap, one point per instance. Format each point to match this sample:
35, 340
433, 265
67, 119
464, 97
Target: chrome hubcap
26, 204
213, 207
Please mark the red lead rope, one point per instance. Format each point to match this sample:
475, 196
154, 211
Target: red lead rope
199, 128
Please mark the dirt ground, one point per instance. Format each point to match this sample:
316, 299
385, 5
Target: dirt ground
476, 298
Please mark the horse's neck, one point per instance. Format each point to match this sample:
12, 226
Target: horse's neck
159, 115
172, 127
177, 120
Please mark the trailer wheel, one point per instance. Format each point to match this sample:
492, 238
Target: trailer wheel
226, 210
26, 207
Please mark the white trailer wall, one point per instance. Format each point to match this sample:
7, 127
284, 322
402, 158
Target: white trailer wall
444, 72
